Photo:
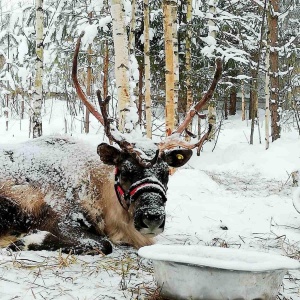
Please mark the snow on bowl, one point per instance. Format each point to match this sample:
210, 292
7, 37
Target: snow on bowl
201, 272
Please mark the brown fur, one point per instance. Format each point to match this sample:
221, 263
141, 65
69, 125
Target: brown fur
99, 203
116, 223
28, 198
31, 201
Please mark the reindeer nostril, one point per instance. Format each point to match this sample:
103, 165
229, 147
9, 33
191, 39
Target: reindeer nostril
152, 221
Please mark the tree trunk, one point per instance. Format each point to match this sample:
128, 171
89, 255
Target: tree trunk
38, 84
189, 92
105, 70
275, 105
170, 63
140, 93
212, 115
267, 93
226, 107
131, 44
243, 101
254, 95
174, 8
212, 120
147, 70
232, 106
121, 60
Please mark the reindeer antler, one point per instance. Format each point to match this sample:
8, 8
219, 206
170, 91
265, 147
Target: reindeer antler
78, 88
119, 139
174, 139
117, 136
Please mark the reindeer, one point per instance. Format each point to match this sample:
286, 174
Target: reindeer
55, 194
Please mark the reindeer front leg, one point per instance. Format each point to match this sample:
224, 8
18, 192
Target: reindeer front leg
37, 240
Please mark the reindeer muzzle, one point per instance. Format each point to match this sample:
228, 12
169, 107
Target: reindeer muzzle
146, 185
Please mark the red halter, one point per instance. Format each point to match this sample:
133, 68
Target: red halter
136, 189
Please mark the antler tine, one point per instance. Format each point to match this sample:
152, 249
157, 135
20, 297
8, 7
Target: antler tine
120, 140
78, 88
174, 140
103, 119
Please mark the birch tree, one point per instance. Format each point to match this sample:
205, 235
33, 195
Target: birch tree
38, 83
188, 56
169, 9
121, 60
147, 70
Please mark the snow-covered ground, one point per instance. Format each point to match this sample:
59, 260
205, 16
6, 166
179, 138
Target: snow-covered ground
238, 196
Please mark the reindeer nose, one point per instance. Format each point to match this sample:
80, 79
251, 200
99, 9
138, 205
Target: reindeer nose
153, 221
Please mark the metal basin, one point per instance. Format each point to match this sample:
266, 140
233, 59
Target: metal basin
199, 272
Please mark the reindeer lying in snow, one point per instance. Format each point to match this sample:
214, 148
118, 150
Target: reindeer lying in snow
55, 190
58, 186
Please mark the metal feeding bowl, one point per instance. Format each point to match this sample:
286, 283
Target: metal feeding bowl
200, 272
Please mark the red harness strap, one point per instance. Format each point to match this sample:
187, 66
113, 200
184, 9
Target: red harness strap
125, 198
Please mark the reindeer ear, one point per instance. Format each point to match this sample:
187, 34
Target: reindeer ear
109, 154
177, 157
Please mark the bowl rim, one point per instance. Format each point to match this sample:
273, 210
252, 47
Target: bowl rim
219, 258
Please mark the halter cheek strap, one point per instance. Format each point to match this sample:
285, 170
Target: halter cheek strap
136, 189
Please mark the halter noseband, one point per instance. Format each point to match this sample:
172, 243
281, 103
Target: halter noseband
148, 184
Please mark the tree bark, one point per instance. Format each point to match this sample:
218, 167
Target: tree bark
212, 115
232, 106
254, 95
189, 92
140, 93
37, 129
243, 101
174, 8
275, 105
105, 70
267, 93
170, 63
121, 60
147, 70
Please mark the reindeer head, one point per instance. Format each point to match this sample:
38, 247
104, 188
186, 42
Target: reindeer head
141, 183
141, 186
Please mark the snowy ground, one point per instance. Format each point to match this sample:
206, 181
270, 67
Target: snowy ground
237, 196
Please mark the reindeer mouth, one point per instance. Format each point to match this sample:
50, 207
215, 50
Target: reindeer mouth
153, 232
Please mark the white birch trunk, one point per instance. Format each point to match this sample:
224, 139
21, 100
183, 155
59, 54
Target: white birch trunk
170, 63
121, 60
147, 70
267, 92
38, 83
131, 43
189, 92
174, 9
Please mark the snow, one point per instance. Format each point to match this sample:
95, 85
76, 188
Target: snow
296, 199
221, 258
238, 196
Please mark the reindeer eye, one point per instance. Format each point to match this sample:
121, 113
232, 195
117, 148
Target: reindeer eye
179, 156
